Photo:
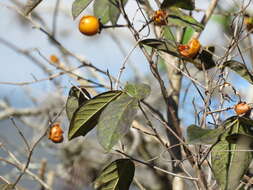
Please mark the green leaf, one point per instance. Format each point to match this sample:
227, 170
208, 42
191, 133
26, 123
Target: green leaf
116, 176
139, 91
77, 97
233, 138
162, 45
197, 135
86, 116
114, 11
187, 35
221, 19
78, 6
225, 20
230, 161
116, 119
168, 34
101, 9
205, 58
184, 4
107, 10
162, 65
177, 17
240, 69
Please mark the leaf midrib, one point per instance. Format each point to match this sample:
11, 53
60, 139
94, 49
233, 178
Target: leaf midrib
75, 129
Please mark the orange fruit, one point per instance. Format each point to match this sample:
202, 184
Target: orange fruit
89, 25
160, 17
242, 108
54, 59
56, 133
191, 49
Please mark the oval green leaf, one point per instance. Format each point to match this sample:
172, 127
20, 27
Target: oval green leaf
161, 45
117, 175
78, 6
229, 158
168, 33
187, 35
101, 9
240, 69
184, 4
86, 116
197, 135
139, 91
115, 120
114, 11
77, 97
177, 17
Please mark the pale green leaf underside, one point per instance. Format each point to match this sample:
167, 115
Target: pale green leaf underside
240, 69
114, 11
139, 91
115, 120
229, 161
78, 6
101, 9
197, 135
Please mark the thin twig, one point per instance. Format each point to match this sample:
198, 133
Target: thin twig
157, 168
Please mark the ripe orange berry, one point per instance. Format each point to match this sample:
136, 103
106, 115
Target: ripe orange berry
89, 25
56, 133
242, 108
160, 17
191, 49
54, 59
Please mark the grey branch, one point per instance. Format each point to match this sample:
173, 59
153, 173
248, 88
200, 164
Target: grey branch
30, 5
21, 112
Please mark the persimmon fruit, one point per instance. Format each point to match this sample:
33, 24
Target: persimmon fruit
191, 49
54, 59
160, 17
89, 25
242, 108
56, 133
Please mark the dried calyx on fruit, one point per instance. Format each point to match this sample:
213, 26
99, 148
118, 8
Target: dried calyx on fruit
56, 133
89, 25
242, 108
191, 49
160, 17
